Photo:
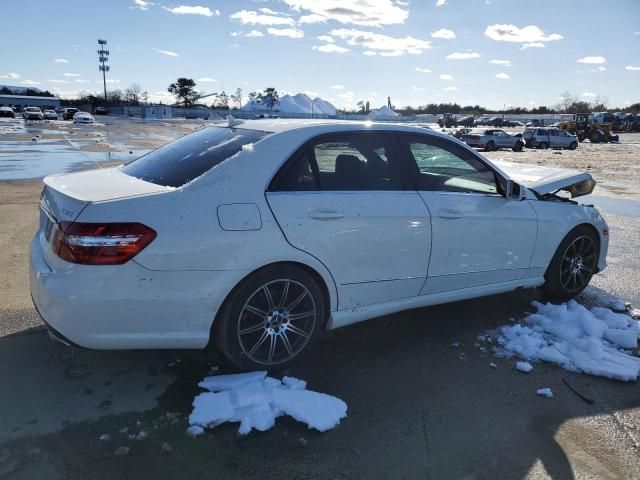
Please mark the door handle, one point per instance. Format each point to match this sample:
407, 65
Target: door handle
325, 215
449, 213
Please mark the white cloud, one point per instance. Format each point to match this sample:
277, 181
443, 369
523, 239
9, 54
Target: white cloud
632, 68
504, 63
112, 80
503, 76
600, 69
451, 89
80, 80
71, 74
589, 95
511, 33
235, 34
56, 81
382, 44
440, 3
61, 60
268, 11
417, 89
597, 60
337, 87
330, 48
206, 80
371, 13
10, 76
423, 70
254, 34
313, 18
533, 45
444, 34
446, 77
250, 17
326, 38
285, 32
29, 82
462, 56
141, 5
192, 10
369, 53
168, 53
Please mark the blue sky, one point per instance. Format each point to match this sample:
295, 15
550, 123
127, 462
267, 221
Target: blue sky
492, 52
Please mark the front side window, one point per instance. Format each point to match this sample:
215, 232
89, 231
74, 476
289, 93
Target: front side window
441, 165
185, 159
344, 162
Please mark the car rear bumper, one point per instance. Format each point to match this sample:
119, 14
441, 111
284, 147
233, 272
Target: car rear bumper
126, 306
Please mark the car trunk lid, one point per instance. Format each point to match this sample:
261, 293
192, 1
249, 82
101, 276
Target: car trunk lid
546, 180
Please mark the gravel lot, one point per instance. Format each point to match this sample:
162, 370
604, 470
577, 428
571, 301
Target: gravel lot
419, 406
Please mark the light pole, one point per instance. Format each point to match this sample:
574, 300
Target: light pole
103, 59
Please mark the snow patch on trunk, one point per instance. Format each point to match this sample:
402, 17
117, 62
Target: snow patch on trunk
597, 341
255, 400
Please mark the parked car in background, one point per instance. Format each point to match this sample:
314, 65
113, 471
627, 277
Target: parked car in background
461, 131
68, 113
492, 139
50, 115
100, 111
259, 250
549, 137
7, 112
32, 113
83, 117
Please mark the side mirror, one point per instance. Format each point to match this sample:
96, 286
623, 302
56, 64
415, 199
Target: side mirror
515, 191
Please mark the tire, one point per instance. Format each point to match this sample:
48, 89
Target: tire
595, 137
543, 145
573, 264
518, 147
573, 145
277, 340
490, 146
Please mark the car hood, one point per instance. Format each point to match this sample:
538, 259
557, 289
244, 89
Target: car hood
544, 180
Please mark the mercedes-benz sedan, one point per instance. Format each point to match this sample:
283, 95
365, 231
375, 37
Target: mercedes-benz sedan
257, 236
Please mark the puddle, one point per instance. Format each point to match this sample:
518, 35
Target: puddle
617, 205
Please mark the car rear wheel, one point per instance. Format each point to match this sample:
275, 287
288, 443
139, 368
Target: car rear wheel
518, 147
573, 264
271, 319
543, 145
491, 145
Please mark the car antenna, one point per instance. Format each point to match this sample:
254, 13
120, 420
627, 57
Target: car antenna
232, 122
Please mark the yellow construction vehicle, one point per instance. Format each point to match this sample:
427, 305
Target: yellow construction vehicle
593, 126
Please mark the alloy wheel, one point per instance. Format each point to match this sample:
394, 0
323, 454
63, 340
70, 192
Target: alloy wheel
578, 264
276, 322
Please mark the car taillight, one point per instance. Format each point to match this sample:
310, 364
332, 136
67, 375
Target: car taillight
100, 243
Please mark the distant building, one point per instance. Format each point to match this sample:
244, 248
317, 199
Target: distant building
22, 101
157, 111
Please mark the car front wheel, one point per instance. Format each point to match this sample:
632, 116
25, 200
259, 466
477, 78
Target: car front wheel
518, 147
573, 264
271, 319
573, 145
491, 145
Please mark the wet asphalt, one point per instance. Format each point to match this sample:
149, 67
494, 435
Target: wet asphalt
424, 401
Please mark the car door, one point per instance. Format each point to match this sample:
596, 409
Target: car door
346, 200
503, 139
479, 237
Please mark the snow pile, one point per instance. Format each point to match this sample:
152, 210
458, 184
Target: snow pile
255, 400
524, 367
300, 103
595, 342
383, 112
545, 392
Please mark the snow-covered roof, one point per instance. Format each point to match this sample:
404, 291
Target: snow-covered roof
28, 97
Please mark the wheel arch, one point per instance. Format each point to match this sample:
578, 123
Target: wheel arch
323, 283
588, 226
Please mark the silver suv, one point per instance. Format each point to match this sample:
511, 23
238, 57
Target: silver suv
537, 137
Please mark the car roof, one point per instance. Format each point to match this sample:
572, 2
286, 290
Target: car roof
327, 126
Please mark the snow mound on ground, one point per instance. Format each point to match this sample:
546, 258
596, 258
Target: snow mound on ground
595, 341
255, 400
383, 112
300, 104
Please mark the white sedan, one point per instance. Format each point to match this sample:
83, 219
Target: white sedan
50, 115
256, 236
83, 117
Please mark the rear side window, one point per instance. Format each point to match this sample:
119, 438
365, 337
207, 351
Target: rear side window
187, 158
353, 161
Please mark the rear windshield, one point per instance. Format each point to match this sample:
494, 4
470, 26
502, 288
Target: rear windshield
32, 109
179, 162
